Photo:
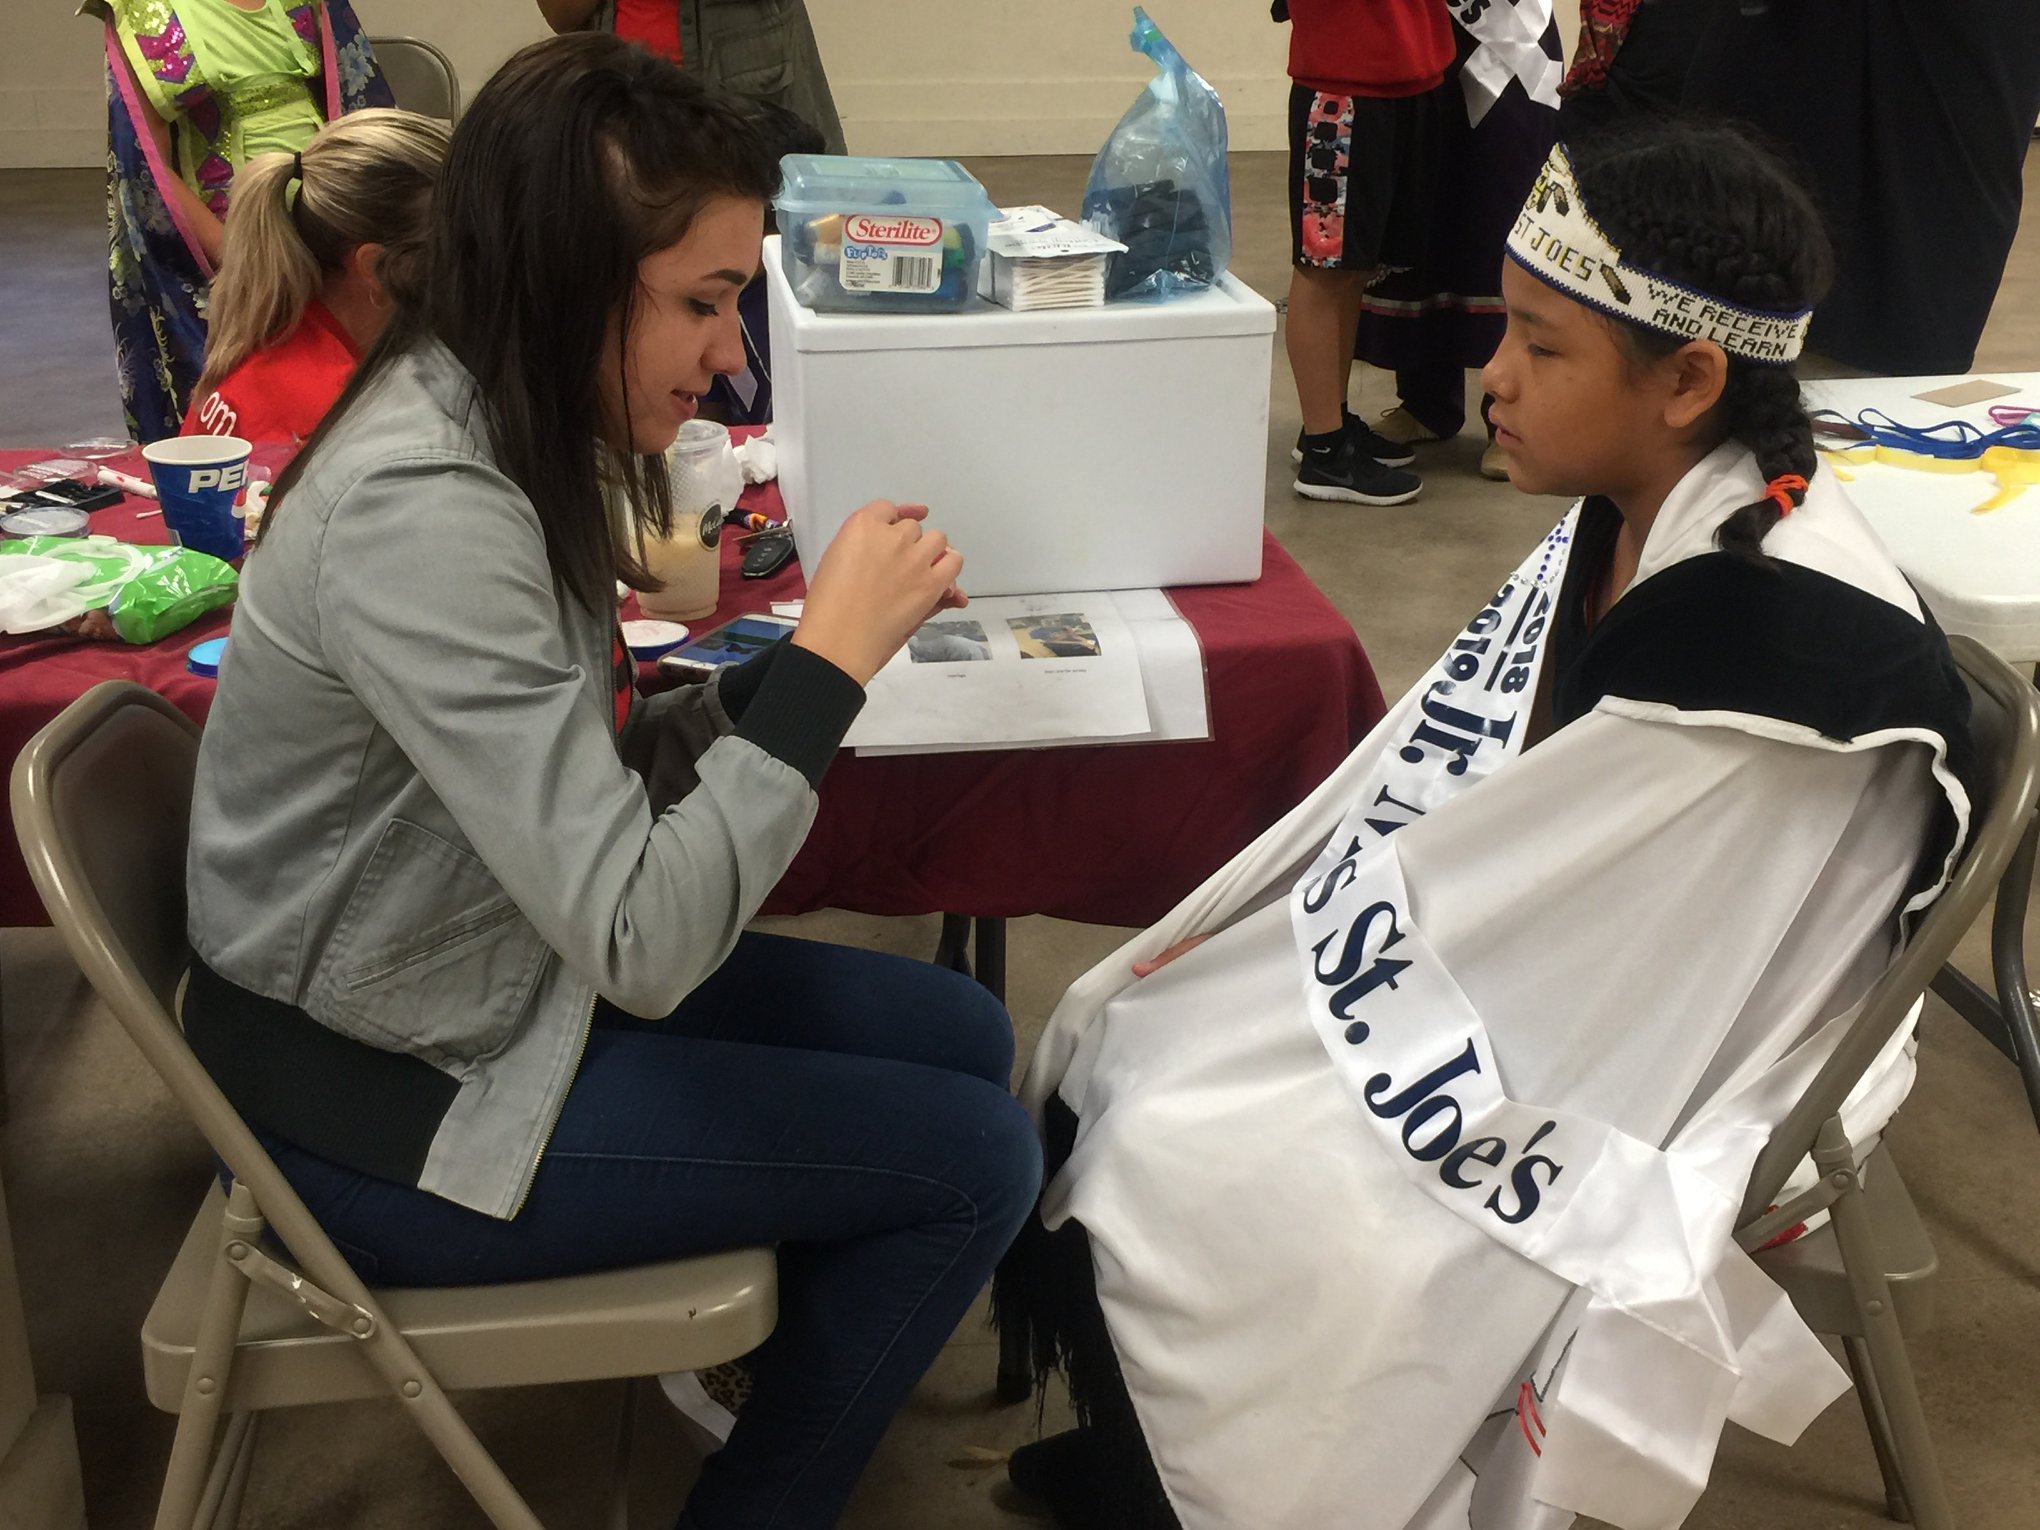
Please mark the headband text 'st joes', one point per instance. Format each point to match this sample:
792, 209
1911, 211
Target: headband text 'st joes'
1557, 241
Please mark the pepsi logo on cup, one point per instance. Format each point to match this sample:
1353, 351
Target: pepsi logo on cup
229, 479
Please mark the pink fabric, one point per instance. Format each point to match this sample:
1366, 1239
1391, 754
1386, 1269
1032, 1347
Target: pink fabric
124, 82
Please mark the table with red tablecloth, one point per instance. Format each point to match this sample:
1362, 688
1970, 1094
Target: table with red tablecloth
1108, 834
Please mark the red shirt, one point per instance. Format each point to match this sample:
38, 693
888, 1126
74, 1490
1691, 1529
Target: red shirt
282, 391
1369, 47
655, 24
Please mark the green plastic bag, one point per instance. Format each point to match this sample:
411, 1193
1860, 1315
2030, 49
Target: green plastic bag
147, 592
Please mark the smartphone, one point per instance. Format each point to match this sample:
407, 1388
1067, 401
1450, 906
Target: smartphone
731, 643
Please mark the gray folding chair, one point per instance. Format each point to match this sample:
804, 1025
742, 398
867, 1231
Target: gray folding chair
1867, 1275
419, 75
102, 801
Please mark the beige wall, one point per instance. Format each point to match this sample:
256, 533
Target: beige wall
911, 76
1047, 77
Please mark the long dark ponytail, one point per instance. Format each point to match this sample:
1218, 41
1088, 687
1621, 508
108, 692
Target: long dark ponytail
1705, 205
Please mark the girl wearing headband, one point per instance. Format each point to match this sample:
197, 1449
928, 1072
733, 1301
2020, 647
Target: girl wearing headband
317, 244
1404, 1200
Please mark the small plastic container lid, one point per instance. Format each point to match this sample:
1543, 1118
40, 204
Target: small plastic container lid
933, 188
204, 658
647, 639
44, 521
99, 448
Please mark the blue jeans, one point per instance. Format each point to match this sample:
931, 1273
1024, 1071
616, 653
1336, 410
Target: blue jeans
848, 1106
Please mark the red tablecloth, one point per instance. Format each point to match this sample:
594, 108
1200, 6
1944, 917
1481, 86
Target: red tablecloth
1113, 834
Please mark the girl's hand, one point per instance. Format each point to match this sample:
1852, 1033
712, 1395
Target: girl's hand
883, 575
1155, 964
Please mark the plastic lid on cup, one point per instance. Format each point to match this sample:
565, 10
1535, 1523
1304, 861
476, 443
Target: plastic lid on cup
204, 658
99, 448
697, 436
55, 521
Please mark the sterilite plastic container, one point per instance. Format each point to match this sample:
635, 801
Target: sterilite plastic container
881, 235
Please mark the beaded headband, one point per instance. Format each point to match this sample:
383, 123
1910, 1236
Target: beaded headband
1557, 241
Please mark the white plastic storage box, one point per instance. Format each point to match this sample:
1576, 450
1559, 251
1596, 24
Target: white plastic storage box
1076, 449
881, 235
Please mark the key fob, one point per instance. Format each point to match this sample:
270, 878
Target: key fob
767, 552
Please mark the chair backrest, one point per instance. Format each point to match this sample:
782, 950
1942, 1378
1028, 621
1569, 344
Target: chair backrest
2004, 725
102, 807
419, 76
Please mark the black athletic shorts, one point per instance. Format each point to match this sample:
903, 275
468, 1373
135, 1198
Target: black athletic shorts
1363, 177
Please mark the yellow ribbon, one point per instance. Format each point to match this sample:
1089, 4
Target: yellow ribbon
2014, 468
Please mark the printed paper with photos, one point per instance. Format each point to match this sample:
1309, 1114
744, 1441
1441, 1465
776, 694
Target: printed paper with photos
1017, 669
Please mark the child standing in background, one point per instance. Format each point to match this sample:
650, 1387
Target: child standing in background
1365, 128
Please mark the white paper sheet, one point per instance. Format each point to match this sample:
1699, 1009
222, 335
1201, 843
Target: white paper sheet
1016, 669
1171, 673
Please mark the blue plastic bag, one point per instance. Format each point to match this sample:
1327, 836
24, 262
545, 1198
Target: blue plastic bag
1160, 185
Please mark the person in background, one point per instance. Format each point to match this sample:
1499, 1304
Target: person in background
317, 243
1366, 122
195, 89
1631, 61
1436, 321
745, 397
1911, 126
762, 49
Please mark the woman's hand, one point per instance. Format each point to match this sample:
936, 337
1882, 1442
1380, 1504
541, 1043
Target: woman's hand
1155, 964
883, 575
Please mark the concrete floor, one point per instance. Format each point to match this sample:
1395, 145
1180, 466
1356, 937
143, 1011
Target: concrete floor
102, 1174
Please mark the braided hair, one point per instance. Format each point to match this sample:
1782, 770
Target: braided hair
1706, 206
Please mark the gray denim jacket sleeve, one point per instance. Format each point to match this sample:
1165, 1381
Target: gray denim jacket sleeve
435, 553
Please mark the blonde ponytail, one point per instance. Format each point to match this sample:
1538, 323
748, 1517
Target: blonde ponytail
365, 178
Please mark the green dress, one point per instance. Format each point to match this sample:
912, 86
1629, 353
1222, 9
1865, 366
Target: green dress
258, 69
230, 84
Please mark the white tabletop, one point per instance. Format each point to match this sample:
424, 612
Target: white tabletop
1979, 572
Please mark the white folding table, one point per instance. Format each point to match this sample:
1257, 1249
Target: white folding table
1978, 569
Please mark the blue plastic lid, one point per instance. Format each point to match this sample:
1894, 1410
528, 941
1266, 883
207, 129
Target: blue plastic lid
204, 658
832, 183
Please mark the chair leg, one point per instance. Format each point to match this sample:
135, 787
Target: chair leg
220, 1508
1874, 1419
626, 1433
205, 1387
1892, 1383
2008, 963
440, 1422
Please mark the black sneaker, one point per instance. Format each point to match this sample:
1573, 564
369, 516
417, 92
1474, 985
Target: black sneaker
1371, 442
1346, 473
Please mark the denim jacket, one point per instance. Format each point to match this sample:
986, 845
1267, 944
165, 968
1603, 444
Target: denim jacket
416, 823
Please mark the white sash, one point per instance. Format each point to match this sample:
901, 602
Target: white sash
1509, 35
1648, 1234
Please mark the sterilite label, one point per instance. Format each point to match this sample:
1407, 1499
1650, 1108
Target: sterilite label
885, 253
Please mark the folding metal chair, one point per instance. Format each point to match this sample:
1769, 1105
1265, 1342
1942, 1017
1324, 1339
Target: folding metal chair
1866, 1276
102, 800
419, 75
